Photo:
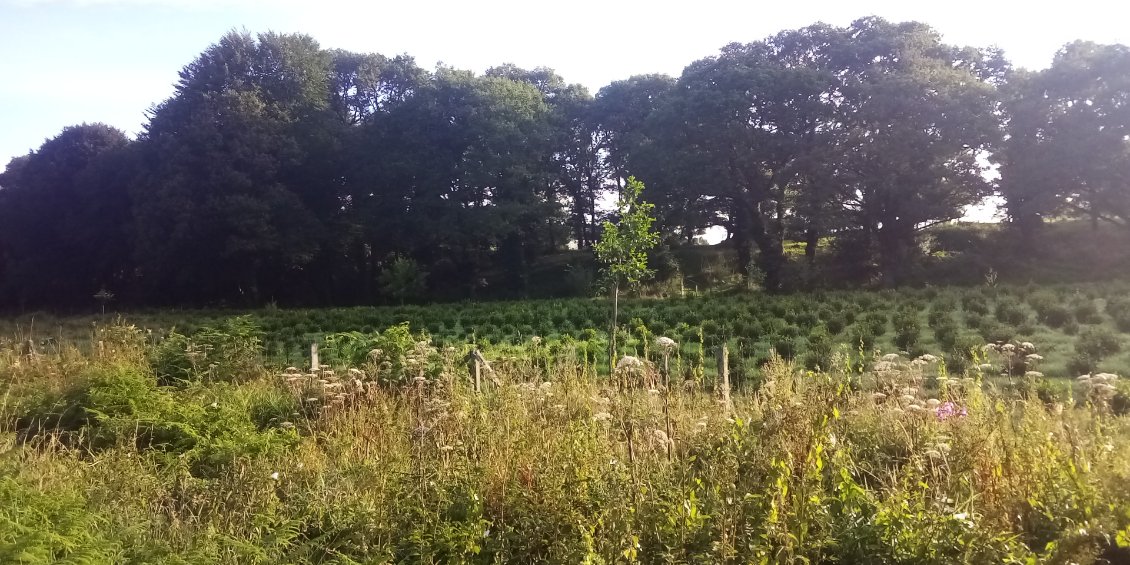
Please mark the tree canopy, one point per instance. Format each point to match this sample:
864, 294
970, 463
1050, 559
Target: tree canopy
280, 170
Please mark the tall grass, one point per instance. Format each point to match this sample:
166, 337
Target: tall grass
392, 457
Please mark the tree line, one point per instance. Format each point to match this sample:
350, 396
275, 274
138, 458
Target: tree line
282, 171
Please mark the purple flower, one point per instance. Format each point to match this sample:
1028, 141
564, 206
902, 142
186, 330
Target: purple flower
948, 410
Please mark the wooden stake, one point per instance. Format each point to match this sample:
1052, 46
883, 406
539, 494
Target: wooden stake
724, 372
478, 369
667, 418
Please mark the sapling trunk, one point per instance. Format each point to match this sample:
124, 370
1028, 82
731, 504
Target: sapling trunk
615, 322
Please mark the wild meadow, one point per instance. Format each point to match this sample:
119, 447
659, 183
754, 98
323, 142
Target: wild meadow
753, 399
983, 425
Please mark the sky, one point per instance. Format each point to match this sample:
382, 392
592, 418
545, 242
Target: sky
65, 62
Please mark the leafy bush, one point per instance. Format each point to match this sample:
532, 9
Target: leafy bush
907, 329
956, 363
1011, 311
1119, 310
946, 334
1097, 342
836, 324
1051, 391
975, 303
206, 428
1051, 309
966, 346
230, 351
860, 335
1086, 311
785, 346
390, 348
995, 332
403, 279
1081, 364
49, 527
876, 323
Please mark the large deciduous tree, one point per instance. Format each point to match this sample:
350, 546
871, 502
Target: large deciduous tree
919, 117
743, 128
227, 211
65, 217
1068, 144
877, 122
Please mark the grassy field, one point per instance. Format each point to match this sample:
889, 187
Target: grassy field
1076, 328
918, 426
182, 451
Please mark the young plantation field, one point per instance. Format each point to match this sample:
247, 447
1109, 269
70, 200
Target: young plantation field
1075, 329
984, 425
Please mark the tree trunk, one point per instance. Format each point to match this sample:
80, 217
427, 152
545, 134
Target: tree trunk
895, 243
771, 256
811, 242
612, 333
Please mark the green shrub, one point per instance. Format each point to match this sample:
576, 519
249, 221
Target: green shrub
975, 321
785, 346
230, 351
1119, 310
1011, 311
956, 363
1097, 342
966, 346
946, 334
1051, 391
50, 527
995, 332
389, 349
860, 335
876, 322
1081, 364
907, 329
975, 303
205, 428
1086, 311
836, 324
938, 317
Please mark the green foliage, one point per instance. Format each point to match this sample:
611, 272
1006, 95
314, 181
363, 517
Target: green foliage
1118, 308
624, 245
43, 526
403, 279
207, 430
860, 336
1065, 148
394, 356
1086, 311
908, 330
229, 351
548, 463
1011, 311
1098, 342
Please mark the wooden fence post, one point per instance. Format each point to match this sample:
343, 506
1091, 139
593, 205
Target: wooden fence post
476, 363
478, 369
724, 373
315, 364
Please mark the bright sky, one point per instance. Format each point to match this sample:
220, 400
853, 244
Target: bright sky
65, 62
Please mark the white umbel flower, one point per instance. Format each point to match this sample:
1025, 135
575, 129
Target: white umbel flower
628, 362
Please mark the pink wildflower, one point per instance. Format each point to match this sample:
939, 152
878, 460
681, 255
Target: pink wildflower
948, 410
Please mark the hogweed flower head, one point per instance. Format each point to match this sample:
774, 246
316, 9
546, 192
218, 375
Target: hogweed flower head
628, 362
